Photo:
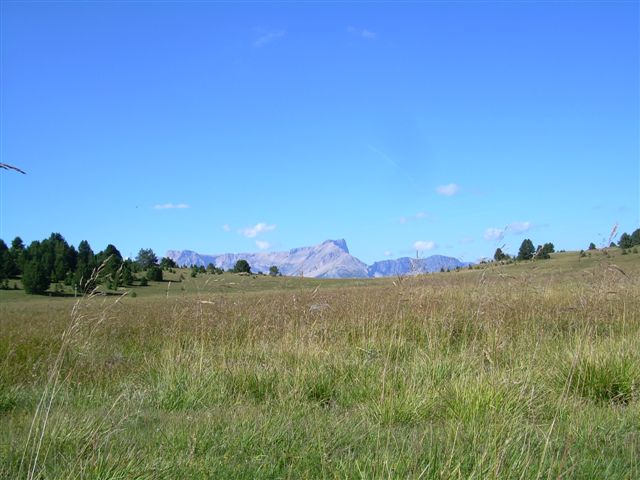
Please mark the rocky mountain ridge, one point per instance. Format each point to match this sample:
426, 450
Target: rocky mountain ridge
329, 259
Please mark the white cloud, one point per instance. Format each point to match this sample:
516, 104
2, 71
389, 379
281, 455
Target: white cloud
361, 32
403, 220
448, 190
169, 206
422, 245
226, 227
268, 37
388, 253
262, 245
519, 227
494, 234
421, 215
251, 232
367, 33
515, 228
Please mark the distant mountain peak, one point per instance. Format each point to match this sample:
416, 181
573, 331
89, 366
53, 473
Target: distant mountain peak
340, 243
330, 259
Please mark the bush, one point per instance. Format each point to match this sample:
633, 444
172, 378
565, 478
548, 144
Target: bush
144, 282
154, 274
242, 266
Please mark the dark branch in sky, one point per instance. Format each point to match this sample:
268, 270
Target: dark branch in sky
11, 167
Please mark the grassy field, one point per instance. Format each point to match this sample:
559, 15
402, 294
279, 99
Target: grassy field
529, 370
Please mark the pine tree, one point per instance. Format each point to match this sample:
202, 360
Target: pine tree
35, 275
109, 262
526, 250
146, 258
17, 254
6, 261
625, 241
166, 262
499, 255
85, 265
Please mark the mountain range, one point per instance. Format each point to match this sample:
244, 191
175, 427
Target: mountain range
329, 259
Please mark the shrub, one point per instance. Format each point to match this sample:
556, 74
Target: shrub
154, 274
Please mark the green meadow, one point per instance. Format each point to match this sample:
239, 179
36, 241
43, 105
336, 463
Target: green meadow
528, 370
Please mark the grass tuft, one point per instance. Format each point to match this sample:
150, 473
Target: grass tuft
604, 376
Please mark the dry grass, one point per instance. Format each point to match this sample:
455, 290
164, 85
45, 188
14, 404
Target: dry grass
525, 371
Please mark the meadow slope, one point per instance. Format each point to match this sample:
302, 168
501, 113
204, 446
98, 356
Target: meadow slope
529, 370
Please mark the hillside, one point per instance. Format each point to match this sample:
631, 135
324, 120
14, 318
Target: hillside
526, 370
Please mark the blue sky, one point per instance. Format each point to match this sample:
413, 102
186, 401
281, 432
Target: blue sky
451, 127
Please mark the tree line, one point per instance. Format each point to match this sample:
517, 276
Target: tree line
527, 251
629, 241
54, 261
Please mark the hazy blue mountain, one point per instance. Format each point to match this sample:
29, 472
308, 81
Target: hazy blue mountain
414, 266
330, 259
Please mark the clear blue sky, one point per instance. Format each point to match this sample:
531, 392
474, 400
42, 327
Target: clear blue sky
452, 127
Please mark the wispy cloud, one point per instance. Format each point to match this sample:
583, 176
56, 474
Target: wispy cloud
252, 232
268, 37
418, 216
388, 253
262, 245
384, 156
169, 206
423, 245
519, 227
361, 32
448, 190
226, 227
494, 234
515, 228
